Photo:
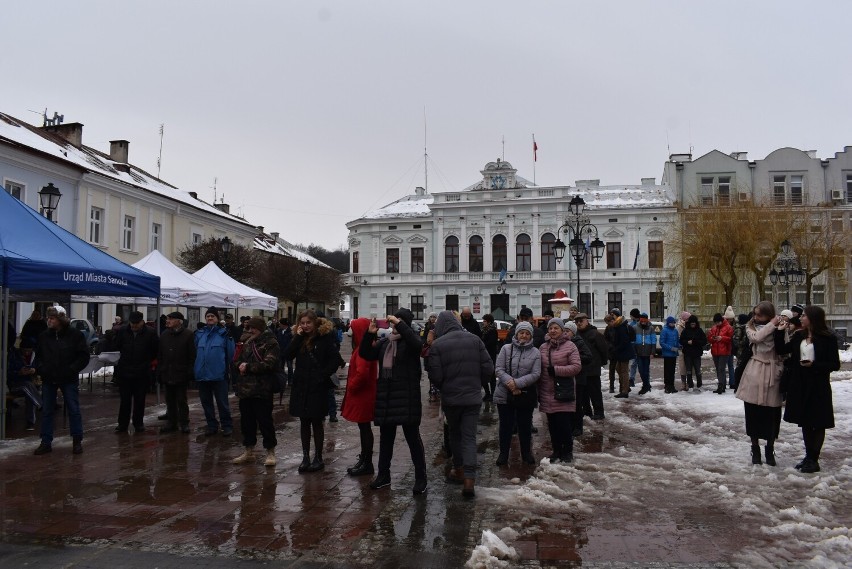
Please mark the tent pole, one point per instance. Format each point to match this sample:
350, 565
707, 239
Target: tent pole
158, 337
4, 357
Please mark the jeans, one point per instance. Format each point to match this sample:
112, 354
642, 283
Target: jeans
509, 417
731, 370
71, 395
387, 436
218, 390
644, 365
332, 404
257, 412
132, 391
669, 372
461, 421
633, 366
720, 363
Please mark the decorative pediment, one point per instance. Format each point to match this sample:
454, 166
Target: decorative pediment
656, 232
392, 240
613, 233
417, 239
354, 242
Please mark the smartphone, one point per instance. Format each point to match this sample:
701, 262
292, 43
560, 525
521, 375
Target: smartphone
381, 323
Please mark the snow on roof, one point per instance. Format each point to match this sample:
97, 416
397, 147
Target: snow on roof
281, 247
408, 206
23, 134
620, 197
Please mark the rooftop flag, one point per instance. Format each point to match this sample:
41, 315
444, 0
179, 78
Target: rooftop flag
535, 150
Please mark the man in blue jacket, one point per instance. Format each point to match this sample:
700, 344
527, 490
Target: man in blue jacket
214, 354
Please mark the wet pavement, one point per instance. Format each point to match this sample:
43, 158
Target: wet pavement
151, 500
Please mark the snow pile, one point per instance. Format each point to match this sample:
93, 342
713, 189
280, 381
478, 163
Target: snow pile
846, 356
493, 552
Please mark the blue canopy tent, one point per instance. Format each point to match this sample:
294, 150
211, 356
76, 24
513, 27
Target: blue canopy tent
40, 260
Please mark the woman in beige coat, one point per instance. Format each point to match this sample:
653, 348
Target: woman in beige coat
759, 387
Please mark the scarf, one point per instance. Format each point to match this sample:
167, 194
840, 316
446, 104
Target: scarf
390, 353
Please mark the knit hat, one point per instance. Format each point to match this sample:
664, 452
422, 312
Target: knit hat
729, 313
212, 310
685, 315
523, 326
787, 313
615, 312
742, 319
671, 320
257, 323
557, 321
571, 327
717, 317
643, 315
796, 321
692, 319
634, 313
136, 317
798, 309
526, 312
175, 315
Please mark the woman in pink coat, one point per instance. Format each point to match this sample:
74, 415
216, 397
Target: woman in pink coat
359, 401
559, 357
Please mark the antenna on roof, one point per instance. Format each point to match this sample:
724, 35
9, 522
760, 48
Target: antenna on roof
504, 148
160, 157
215, 180
425, 155
55, 121
668, 146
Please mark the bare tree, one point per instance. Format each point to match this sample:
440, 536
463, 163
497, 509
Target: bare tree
241, 262
818, 245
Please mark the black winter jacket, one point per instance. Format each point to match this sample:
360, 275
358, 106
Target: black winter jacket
176, 356
62, 353
458, 363
698, 337
599, 348
397, 393
312, 378
586, 357
809, 402
137, 350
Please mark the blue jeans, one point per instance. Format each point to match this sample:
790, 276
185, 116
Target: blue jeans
71, 395
218, 390
731, 371
643, 363
332, 403
633, 366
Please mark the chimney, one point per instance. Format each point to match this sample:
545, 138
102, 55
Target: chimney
579, 183
811, 153
72, 132
223, 207
649, 181
118, 151
418, 191
275, 235
739, 155
259, 229
193, 195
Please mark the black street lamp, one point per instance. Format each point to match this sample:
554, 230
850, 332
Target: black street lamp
226, 249
659, 299
575, 228
48, 198
786, 270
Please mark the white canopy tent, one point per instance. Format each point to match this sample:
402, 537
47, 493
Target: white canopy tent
248, 297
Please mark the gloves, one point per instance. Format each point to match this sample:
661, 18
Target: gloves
551, 371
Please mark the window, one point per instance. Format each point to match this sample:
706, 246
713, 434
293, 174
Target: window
655, 254
523, 253
451, 255
848, 188
840, 297
837, 222
658, 305
800, 296
356, 261
796, 193
128, 238
392, 262
418, 306
391, 304
498, 253
584, 303
548, 257
156, 236
723, 191
475, 260
706, 191
15, 190
715, 190
96, 216
391, 227
613, 300
452, 302
779, 190
692, 297
417, 260
197, 238
782, 187
818, 294
613, 255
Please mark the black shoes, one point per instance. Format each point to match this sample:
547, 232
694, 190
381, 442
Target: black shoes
578, 432
529, 459
598, 417
801, 463
77, 445
361, 468
357, 465
120, 430
210, 432
566, 458
810, 466
770, 456
644, 390
502, 459
621, 396
554, 458
382, 480
719, 391
306, 463
163, 417
43, 449
419, 486
755, 455
316, 465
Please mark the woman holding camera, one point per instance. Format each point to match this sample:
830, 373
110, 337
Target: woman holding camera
813, 356
559, 358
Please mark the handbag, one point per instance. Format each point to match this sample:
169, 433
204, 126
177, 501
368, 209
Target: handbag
528, 397
564, 389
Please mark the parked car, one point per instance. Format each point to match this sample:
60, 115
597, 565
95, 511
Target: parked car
89, 332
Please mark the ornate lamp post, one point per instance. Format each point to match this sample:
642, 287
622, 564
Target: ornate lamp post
226, 249
659, 299
49, 197
786, 270
576, 226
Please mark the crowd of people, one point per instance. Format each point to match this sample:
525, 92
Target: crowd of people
767, 359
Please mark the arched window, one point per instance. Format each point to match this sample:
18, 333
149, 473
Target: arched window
475, 255
498, 253
451, 254
548, 258
523, 253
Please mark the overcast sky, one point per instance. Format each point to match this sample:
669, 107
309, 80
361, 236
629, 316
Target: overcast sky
311, 113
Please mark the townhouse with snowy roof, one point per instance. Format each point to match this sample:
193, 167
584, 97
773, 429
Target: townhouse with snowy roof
492, 246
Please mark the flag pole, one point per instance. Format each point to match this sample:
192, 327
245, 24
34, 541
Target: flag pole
535, 156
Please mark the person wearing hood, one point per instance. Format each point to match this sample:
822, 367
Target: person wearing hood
397, 394
600, 354
489, 338
518, 369
670, 347
214, 352
257, 364
645, 346
359, 400
586, 360
693, 339
458, 363
559, 357
680, 326
721, 343
622, 351
314, 347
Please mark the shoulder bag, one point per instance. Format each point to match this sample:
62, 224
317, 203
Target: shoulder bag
528, 397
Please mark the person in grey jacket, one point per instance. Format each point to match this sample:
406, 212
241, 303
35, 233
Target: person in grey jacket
458, 363
518, 370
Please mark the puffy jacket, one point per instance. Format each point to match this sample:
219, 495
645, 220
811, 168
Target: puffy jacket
397, 391
724, 345
670, 341
138, 350
622, 347
314, 366
62, 353
214, 351
521, 362
599, 348
359, 401
262, 358
586, 358
646, 341
176, 356
458, 363
564, 356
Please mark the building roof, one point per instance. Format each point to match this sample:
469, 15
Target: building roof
281, 247
20, 133
414, 205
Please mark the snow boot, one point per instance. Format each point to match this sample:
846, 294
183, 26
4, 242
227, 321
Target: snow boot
247, 456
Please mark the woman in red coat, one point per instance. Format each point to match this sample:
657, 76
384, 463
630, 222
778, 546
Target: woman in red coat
359, 401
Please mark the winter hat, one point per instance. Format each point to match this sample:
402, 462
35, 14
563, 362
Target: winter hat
244, 319
729, 313
671, 320
796, 321
571, 327
526, 312
523, 326
685, 315
643, 315
405, 315
717, 318
692, 318
175, 316
581, 316
57, 311
615, 312
787, 313
798, 309
742, 319
212, 310
136, 317
257, 323
557, 321
635, 313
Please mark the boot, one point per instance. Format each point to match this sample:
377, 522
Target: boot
770, 455
502, 459
455, 476
755, 454
306, 462
43, 448
366, 467
357, 465
382, 480
698, 384
419, 486
645, 389
467, 489
270, 457
720, 390
247, 456
77, 445
689, 383
317, 464
810, 466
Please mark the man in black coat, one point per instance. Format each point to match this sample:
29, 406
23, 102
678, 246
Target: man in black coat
600, 349
62, 354
175, 360
137, 344
469, 323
